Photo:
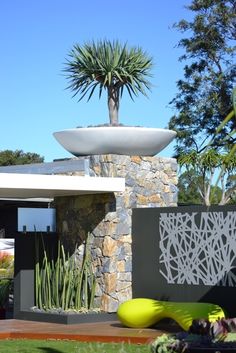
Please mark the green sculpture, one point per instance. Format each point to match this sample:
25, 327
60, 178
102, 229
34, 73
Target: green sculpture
144, 312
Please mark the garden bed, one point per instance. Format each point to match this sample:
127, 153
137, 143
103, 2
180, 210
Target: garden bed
212, 350
65, 318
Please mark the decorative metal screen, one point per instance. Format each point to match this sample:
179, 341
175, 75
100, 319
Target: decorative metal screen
198, 248
185, 253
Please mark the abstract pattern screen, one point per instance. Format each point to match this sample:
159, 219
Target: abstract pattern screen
198, 248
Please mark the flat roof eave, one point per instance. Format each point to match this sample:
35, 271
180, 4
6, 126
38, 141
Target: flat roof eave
24, 186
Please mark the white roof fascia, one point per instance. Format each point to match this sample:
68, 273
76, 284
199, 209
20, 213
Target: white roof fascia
13, 185
33, 199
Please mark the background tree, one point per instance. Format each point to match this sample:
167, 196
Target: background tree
17, 157
230, 184
188, 184
204, 94
108, 66
206, 167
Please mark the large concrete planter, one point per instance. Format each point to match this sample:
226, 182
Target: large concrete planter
122, 140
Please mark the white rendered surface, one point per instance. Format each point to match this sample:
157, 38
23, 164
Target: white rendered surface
13, 185
115, 140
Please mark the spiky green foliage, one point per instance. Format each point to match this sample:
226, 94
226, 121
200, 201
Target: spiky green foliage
110, 66
61, 284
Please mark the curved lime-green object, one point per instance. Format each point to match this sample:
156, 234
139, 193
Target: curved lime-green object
144, 312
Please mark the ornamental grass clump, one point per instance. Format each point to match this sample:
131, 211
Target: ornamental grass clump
61, 285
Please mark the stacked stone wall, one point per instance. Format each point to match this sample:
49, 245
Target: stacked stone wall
150, 182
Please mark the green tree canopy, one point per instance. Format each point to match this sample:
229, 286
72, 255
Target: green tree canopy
204, 96
108, 66
189, 184
204, 168
8, 157
188, 188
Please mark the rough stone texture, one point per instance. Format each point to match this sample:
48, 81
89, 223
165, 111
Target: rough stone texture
150, 182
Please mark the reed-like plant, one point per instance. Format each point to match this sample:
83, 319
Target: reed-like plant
61, 284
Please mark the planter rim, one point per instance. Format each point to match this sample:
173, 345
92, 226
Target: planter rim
123, 140
128, 128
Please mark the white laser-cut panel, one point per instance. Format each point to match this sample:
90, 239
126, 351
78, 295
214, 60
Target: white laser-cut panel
198, 251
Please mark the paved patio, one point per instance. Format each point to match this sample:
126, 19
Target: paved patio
110, 331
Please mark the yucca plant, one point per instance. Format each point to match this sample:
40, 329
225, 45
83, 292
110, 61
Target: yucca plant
110, 66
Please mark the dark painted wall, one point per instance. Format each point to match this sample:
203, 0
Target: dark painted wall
8, 215
147, 281
8, 221
25, 256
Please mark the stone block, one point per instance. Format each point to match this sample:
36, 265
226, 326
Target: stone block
123, 285
145, 164
156, 198
136, 159
111, 217
128, 264
124, 276
109, 265
123, 228
109, 304
142, 200
109, 246
120, 266
109, 228
97, 256
98, 290
127, 249
110, 282
131, 182
124, 295
126, 239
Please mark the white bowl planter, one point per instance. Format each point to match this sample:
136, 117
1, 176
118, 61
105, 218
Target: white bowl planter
115, 140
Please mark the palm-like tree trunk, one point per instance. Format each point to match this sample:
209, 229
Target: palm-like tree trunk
113, 104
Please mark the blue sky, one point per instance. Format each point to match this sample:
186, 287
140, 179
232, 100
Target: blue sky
36, 37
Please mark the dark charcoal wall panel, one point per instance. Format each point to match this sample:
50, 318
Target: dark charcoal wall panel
147, 279
24, 267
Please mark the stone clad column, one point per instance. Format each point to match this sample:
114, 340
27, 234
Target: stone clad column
150, 182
